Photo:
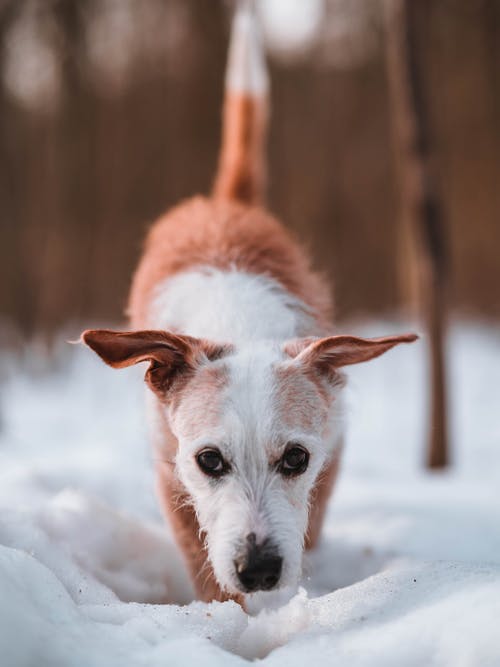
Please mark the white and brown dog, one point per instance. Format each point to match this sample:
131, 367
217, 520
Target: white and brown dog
245, 379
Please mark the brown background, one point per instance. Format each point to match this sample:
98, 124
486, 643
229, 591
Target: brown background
82, 176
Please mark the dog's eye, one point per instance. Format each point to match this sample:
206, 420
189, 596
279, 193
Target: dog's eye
212, 463
294, 461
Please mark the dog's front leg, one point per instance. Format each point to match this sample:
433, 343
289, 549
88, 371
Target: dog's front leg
319, 499
186, 530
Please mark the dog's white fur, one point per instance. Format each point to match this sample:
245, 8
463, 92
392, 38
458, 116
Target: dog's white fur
232, 306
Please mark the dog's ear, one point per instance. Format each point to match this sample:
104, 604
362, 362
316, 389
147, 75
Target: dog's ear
326, 355
169, 354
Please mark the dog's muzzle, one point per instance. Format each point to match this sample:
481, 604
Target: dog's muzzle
259, 566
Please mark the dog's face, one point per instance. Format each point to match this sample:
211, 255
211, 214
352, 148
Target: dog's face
255, 427
254, 430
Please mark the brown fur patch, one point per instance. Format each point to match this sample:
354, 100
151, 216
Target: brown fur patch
328, 354
241, 173
302, 401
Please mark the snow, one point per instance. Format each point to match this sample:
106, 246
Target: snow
408, 571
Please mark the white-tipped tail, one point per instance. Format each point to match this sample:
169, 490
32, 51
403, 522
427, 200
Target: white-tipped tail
246, 67
241, 173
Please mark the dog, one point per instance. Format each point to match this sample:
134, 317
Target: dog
245, 377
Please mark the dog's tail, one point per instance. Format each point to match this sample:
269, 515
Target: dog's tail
242, 170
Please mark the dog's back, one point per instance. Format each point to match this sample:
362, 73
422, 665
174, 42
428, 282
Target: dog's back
225, 241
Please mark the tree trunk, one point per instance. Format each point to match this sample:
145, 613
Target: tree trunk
420, 207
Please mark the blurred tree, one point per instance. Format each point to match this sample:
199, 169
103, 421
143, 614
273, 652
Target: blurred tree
426, 258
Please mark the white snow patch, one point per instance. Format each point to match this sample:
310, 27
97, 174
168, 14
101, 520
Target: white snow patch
408, 571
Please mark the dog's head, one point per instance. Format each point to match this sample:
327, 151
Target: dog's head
255, 426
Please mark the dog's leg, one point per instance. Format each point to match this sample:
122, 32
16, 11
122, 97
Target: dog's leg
319, 500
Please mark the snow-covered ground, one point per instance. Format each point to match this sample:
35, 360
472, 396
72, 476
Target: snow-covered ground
408, 572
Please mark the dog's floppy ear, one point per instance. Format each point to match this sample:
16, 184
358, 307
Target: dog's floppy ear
328, 354
168, 354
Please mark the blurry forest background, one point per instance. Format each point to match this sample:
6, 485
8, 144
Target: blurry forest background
110, 113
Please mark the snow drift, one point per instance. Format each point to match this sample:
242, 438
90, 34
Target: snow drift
408, 571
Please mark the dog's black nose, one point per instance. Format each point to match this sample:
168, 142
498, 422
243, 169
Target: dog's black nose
260, 568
